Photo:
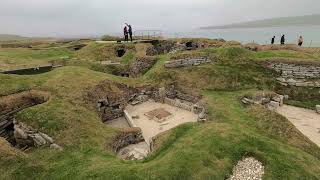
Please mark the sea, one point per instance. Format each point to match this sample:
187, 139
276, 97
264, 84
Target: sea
311, 34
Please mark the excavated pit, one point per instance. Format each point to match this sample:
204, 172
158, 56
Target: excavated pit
120, 52
12, 104
30, 71
142, 113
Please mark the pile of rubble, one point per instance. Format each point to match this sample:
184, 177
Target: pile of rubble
271, 101
26, 136
298, 82
249, 169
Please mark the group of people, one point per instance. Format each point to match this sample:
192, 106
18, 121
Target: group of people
283, 40
127, 32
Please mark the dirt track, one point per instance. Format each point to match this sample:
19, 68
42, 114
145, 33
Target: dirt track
307, 121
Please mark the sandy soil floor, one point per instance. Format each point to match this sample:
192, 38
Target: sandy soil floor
151, 128
120, 122
307, 121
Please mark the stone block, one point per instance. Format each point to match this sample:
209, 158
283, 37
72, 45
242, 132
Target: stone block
318, 108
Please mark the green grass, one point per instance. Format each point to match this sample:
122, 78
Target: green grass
190, 151
20, 57
285, 54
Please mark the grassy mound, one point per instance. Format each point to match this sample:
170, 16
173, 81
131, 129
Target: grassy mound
190, 151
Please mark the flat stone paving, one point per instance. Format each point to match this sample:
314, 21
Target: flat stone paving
151, 127
120, 122
307, 121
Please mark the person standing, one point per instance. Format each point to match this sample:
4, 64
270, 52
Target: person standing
130, 31
125, 33
272, 40
283, 39
300, 41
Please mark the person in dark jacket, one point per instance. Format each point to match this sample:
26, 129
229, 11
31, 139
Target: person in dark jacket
272, 40
283, 40
125, 33
130, 31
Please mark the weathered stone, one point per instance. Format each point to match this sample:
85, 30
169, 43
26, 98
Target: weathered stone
273, 105
279, 99
46, 137
19, 133
247, 101
162, 94
186, 62
38, 140
318, 108
56, 147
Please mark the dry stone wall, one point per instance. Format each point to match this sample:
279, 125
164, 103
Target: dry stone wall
186, 62
141, 65
299, 74
298, 71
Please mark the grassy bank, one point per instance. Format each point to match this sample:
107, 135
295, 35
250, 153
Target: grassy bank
190, 151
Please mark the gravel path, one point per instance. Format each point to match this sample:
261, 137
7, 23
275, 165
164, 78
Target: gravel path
248, 169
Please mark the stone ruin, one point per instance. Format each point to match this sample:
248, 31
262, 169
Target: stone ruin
19, 134
187, 62
162, 47
76, 47
112, 105
120, 52
271, 101
141, 65
299, 74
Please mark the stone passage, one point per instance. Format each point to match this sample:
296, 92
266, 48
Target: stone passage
248, 169
307, 121
121, 52
19, 134
186, 62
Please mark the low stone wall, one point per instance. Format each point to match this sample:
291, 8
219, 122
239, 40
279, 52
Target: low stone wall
298, 71
127, 137
186, 62
141, 65
178, 103
298, 82
129, 119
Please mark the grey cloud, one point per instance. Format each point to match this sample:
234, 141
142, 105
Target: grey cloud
83, 17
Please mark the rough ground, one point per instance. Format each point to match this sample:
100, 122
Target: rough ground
248, 169
307, 121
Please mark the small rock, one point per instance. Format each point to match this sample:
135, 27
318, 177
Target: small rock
279, 99
38, 140
47, 138
56, 147
273, 105
19, 133
291, 82
318, 108
247, 101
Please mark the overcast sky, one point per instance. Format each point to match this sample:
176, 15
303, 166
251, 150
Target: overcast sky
95, 17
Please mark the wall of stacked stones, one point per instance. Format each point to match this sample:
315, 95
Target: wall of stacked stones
186, 62
297, 71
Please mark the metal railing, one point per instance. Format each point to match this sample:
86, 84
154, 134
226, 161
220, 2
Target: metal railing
147, 34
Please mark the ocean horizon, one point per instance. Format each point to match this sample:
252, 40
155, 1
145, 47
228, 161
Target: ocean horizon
257, 35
